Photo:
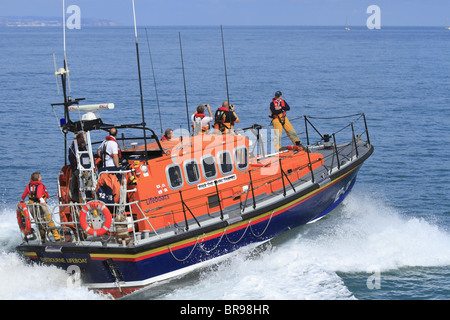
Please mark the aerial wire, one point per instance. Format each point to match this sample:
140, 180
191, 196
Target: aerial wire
154, 81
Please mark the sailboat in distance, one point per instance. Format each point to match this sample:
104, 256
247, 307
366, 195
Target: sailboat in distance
347, 28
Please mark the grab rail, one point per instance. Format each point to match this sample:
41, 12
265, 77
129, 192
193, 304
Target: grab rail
76, 233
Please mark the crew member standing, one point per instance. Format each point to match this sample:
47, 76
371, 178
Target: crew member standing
200, 120
109, 151
278, 108
225, 118
109, 183
37, 197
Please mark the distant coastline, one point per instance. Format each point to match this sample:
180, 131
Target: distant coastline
51, 22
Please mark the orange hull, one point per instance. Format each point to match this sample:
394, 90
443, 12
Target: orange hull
193, 175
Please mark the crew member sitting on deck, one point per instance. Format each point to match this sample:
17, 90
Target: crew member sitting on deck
278, 108
200, 120
225, 118
37, 196
168, 134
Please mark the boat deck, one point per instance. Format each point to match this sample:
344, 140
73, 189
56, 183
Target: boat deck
248, 206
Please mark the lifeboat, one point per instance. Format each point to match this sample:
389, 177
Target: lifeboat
182, 202
173, 205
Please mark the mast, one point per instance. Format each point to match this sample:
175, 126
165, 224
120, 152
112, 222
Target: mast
64, 74
154, 81
184, 81
225, 65
140, 80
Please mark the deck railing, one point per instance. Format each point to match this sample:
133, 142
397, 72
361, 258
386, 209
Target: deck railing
72, 232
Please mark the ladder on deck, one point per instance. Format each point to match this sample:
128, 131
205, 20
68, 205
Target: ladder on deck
87, 177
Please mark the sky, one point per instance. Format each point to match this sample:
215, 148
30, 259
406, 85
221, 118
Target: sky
242, 12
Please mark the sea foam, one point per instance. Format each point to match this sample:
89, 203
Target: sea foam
365, 233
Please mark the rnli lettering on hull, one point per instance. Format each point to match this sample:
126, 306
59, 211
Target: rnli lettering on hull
211, 183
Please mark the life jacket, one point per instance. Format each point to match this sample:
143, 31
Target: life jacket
163, 138
275, 103
279, 116
198, 117
33, 189
104, 152
220, 118
108, 188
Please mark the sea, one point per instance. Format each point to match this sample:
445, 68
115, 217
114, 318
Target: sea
389, 239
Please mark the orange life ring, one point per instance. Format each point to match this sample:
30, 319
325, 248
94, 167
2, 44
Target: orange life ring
91, 206
23, 218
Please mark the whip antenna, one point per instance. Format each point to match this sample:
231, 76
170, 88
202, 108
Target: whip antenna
154, 81
56, 72
66, 66
140, 80
225, 65
184, 80
64, 28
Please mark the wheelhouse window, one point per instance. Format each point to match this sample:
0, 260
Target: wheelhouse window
209, 167
225, 162
191, 171
241, 158
174, 177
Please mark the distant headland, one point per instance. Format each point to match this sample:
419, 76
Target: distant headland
51, 22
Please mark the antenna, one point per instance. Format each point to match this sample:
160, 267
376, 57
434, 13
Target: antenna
184, 80
63, 72
140, 79
56, 72
66, 66
225, 65
154, 81
66, 124
64, 28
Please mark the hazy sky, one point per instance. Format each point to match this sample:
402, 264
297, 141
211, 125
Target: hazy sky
243, 12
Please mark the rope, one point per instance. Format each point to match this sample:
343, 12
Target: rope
265, 229
187, 257
215, 247
243, 234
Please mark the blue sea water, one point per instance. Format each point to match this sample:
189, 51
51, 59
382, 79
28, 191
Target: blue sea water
393, 228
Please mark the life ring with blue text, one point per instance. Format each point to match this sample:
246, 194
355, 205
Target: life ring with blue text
93, 208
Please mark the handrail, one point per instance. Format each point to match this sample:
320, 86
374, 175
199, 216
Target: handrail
218, 199
307, 120
75, 207
77, 226
336, 151
367, 130
310, 165
250, 185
